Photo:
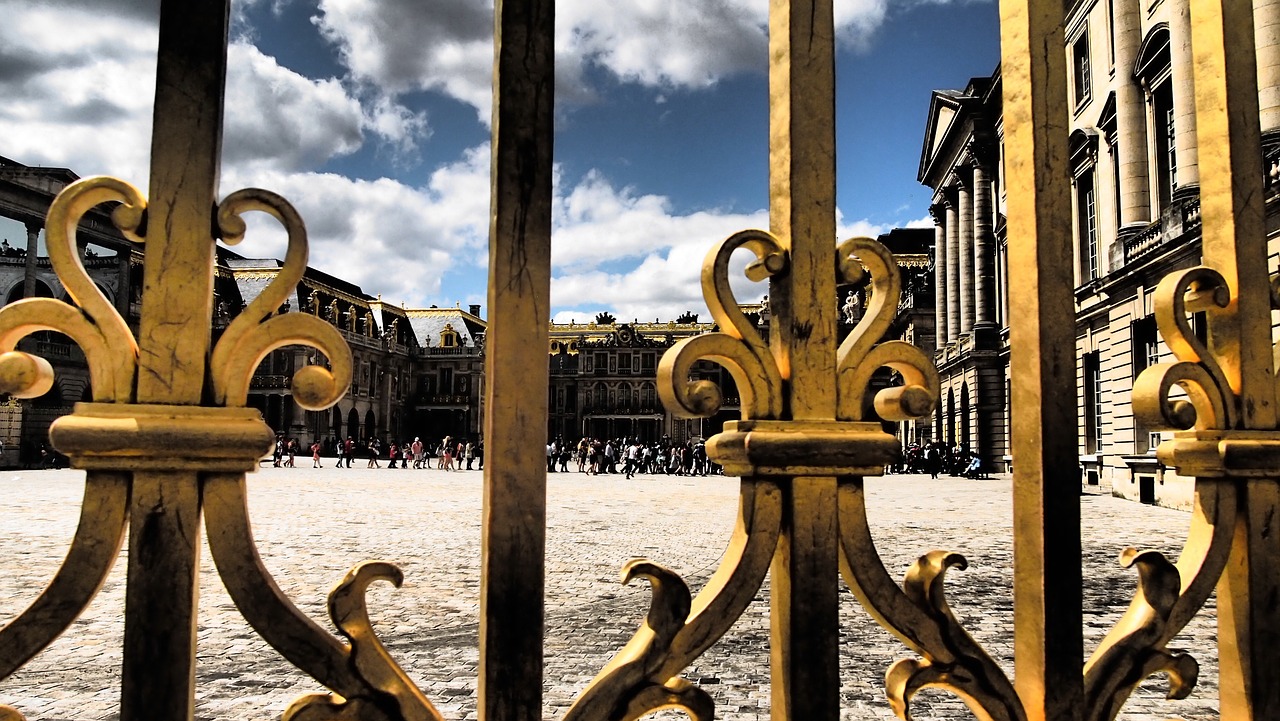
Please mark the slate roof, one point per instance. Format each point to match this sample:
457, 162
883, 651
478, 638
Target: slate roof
427, 324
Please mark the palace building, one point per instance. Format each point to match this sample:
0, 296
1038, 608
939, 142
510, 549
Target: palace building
1133, 163
416, 371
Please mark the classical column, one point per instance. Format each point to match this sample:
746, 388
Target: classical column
1266, 27
1131, 121
1184, 98
29, 271
965, 259
984, 249
953, 268
938, 211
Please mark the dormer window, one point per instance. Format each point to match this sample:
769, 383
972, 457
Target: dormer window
448, 337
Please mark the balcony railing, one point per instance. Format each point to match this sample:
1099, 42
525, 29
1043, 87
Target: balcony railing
269, 382
457, 351
1142, 243
48, 349
445, 400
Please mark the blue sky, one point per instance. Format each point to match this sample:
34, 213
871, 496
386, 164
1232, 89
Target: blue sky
372, 117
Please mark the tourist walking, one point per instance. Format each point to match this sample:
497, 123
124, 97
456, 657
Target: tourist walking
315, 455
416, 450
446, 454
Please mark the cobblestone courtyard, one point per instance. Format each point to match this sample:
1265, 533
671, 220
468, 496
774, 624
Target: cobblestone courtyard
313, 525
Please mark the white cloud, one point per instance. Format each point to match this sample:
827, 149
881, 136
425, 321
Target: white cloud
78, 86
403, 45
924, 222
598, 225
383, 235
276, 118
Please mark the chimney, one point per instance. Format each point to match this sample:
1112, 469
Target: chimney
474, 309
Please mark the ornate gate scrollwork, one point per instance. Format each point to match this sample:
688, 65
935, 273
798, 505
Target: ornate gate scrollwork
167, 439
118, 440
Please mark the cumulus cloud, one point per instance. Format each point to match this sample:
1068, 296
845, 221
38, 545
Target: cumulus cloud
597, 225
79, 83
384, 235
404, 45
87, 80
280, 119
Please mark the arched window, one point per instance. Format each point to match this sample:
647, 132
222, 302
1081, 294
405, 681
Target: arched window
1153, 71
42, 291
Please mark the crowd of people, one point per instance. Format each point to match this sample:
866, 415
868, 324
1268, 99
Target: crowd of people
594, 456
601, 456
937, 458
448, 454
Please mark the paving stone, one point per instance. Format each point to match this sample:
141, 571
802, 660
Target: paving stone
312, 525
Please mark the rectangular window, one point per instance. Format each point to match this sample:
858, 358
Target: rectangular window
1111, 34
1146, 353
646, 362
1092, 402
624, 362
1080, 63
1115, 183
1166, 155
1146, 344
446, 381
1087, 212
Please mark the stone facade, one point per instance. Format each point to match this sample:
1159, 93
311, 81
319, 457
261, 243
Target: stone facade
1134, 168
417, 371
604, 380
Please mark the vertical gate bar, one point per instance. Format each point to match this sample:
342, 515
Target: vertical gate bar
158, 680
1235, 244
158, 676
1048, 634
804, 586
186, 149
515, 470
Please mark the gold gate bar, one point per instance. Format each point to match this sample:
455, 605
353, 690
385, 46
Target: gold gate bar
1048, 635
186, 149
516, 370
805, 585
1235, 245
158, 678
